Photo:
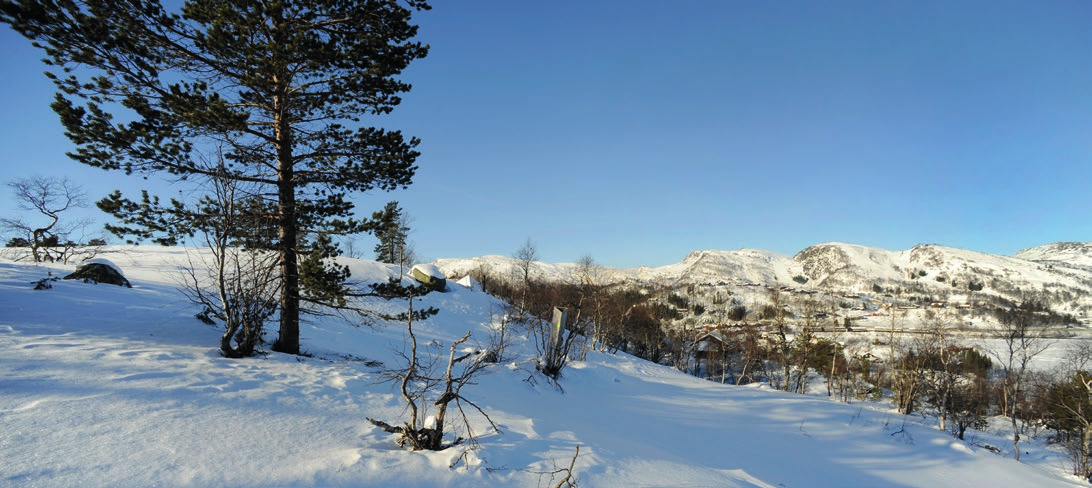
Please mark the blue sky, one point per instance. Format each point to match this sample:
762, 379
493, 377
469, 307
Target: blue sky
637, 131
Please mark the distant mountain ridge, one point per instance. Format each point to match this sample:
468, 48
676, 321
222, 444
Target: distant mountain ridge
1059, 274
1073, 254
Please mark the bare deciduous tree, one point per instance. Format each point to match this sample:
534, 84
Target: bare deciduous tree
778, 338
499, 340
942, 373
235, 285
588, 275
526, 256
418, 381
908, 372
1023, 341
752, 352
48, 237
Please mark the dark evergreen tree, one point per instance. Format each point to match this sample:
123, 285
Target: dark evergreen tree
272, 91
1070, 416
391, 230
18, 242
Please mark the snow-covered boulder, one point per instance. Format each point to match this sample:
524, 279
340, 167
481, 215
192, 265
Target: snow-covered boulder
430, 276
99, 273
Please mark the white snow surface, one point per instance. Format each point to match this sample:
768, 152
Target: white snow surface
105, 386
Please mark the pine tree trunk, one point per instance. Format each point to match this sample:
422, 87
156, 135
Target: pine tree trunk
288, 340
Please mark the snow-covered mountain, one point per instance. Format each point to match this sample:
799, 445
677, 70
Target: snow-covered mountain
932, 267
745, 265
1059, 275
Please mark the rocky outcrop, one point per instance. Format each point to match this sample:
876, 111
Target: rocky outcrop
99, 273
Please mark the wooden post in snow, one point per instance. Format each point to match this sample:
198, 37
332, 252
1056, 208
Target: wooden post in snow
557, 330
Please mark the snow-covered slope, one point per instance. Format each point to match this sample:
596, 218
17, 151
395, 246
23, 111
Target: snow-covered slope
858, 267
104, 386
744, 265
1073, 254
846, 265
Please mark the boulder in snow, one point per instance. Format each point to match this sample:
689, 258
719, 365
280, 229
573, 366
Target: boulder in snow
430, 276
99, 273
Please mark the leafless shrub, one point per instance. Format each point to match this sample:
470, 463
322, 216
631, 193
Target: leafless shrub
237, 286
420, 381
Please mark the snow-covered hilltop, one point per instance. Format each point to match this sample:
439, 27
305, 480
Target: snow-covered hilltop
744, 265
1071, 254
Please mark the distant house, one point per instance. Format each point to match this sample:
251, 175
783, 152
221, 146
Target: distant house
710, 349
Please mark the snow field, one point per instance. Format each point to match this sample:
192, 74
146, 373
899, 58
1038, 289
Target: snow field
103, 386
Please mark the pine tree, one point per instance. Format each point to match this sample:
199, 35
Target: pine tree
272, 91
392, 230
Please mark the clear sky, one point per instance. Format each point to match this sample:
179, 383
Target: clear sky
636, 131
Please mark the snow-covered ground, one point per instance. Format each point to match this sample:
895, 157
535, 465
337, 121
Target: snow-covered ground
105, 386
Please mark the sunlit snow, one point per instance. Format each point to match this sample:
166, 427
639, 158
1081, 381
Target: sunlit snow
105, 386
